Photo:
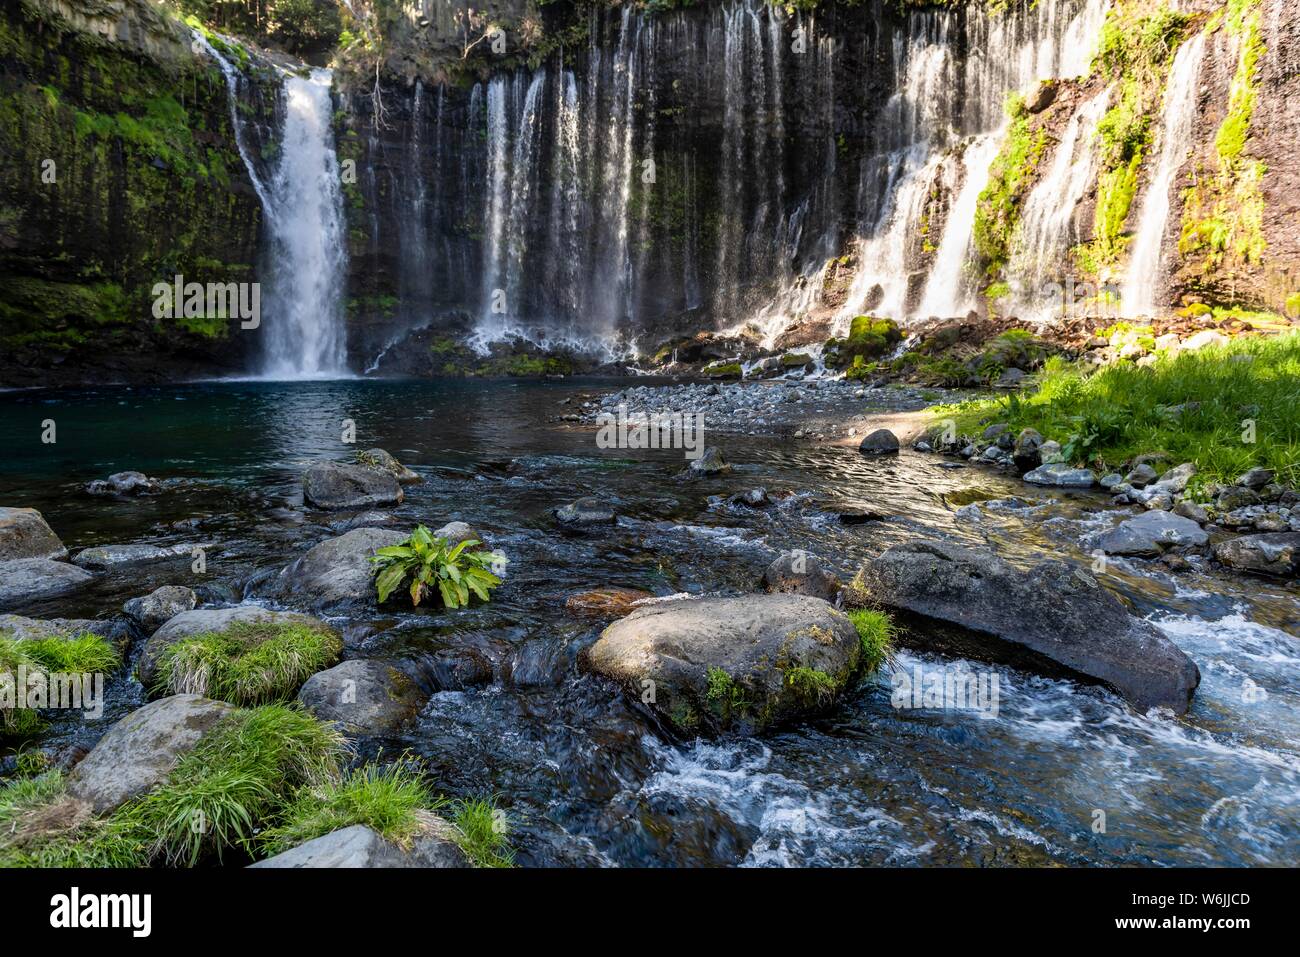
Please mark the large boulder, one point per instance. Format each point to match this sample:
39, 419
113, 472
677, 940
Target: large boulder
140, 750
158, 607
1151, 533
106, 556
1061, 475
1053, 619
333, 485
32, 579
359, 846
879, 442
798, 573
714, 664
200, 621
337, 571
379, 459
365, 696
24, 534
1273, 553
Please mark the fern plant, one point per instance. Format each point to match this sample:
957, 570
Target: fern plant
434, 563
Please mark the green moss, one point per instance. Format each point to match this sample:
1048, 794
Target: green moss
997, 211
795, 359
1293, 305
723, 370
249, 663
811, 686
726, 697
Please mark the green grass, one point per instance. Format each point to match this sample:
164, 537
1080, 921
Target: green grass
384, 799
484, 833
1106, 417
876, 633
249, 663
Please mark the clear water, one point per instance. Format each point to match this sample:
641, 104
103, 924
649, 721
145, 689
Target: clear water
586, 777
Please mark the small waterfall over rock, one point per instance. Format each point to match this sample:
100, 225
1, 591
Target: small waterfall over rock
303, 312
1145, 270
1048, 224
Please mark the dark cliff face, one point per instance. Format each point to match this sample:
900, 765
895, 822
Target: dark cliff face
121, 171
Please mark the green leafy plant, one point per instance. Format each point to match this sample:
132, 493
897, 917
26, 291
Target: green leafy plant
431, 563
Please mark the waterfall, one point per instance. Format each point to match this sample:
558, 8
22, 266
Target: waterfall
304, 321
1142, 282
942, 105
1047, 224
950, 285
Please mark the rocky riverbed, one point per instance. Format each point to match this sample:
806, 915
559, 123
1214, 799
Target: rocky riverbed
532, 699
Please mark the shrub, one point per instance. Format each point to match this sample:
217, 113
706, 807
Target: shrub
249, 663
428, 562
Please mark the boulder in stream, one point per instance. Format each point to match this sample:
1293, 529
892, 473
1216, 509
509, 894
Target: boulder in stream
1061, 475
379, 459
715, 664
1150, 534
334, 485
1272, 553
25, 534
124, 483
360, 846
158, 607
365, 696
879, 442
335, 572
585, 511
140, 750
33, 579
798, 573
1052, 619
102, 557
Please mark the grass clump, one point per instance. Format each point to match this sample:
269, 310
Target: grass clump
1225, 408
876, 634
484, 832
384, 799
249, 663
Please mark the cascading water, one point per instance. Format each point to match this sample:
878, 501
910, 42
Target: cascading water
1047, 223
304, 321
303, 210
1138, 295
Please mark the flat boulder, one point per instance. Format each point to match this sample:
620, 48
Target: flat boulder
29, 629
365, 696
337, 571
102, 557
25, 534
360, 846
585, 511
334, 485
158, 607
1151, 533
1061, 475
33, 579
379, 459
798, 573
716, 664
141, 750
200, 621
1272, 553
1052, 619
